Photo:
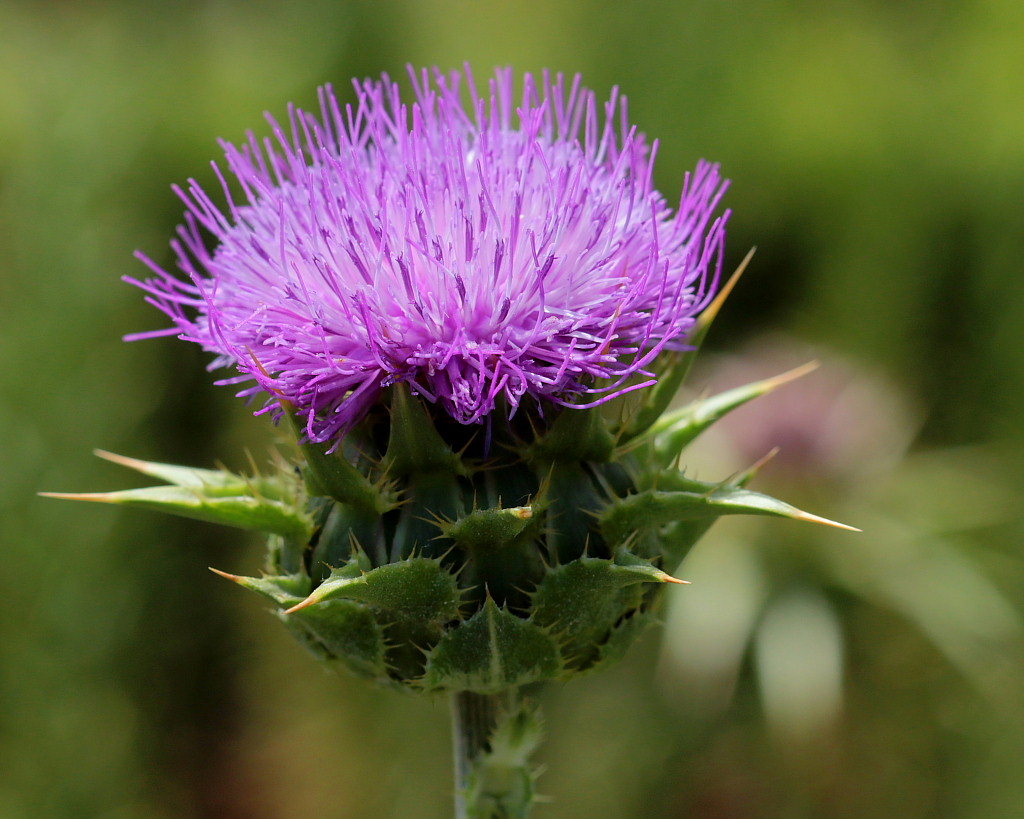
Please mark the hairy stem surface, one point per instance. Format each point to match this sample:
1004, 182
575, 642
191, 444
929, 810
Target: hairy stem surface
493, 736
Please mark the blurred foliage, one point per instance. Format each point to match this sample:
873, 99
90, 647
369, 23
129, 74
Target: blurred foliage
876, 152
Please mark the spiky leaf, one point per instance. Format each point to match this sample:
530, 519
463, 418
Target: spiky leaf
581, 602
343, 631
575, 435
285, 590
331, 474
486, 530
210, 482
573, 500
623, 517
502, 556
336, 631
415, 446
491, 652
417, 589
620, 638
678, 429
345, 532
427, 497
243, 512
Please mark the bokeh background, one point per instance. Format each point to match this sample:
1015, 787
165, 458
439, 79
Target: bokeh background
877, 153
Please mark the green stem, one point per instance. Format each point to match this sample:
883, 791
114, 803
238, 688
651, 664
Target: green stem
493, 737
474, 717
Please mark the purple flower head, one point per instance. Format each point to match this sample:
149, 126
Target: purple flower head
475, 244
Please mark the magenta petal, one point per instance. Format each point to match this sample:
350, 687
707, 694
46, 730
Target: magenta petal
507, 248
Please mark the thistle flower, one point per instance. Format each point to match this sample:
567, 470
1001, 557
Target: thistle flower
388, 277
476, 245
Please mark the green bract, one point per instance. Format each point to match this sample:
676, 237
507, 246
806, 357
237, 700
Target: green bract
433, 556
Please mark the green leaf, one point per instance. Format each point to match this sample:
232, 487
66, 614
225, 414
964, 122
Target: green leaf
243, 512
285, 590
628, 564
343, 631
426, 496
335, 631
487, 530
675, 479
582, 601
676, 430
330, 473
414, 446
344, 533
620, 638
572, 502
209, 482
502, 557
285, 555
574, 436
680, 537
491, 652
417, 589
655, 508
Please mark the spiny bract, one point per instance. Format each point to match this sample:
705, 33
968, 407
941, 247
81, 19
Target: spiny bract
413, 557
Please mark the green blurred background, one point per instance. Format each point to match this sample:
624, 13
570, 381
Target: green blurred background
877, 153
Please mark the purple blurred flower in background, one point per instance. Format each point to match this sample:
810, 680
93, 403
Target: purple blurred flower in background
477, 245
838, 425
